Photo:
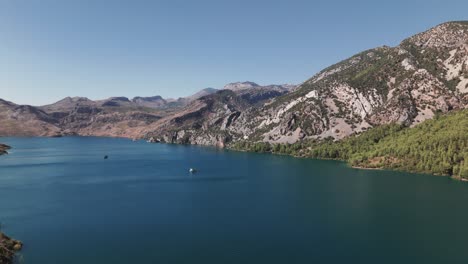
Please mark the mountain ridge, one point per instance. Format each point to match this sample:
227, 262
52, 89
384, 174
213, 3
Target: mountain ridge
425, 74
115, 116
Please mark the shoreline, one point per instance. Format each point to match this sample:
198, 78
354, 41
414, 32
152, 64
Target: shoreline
8, 248
6, 147
365, 168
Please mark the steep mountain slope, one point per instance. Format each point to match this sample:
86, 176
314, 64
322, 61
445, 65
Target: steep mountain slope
437, 146
25, 120
425, 74
183, 101
256, 94
209, 119
205, 121
204, 92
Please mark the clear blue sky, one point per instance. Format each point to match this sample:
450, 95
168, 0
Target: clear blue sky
50, 49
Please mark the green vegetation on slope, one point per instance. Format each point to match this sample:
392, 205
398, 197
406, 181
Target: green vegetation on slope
437, 146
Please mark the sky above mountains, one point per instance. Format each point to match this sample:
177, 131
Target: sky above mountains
51, 49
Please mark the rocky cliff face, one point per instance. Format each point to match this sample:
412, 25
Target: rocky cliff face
8, 248
258, 95
425, 74
206, 121
4, 148
407, 84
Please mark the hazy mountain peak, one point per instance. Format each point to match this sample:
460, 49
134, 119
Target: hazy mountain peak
150, 98
5, 102
209, 89
203, 92
151, 102
119, 98
67, 103
240, 86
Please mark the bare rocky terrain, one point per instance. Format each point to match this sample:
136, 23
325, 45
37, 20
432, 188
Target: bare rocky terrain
4, 149
8, 248
424, 75
118, 116
407, 84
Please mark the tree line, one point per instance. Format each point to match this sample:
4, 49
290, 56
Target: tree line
436, 146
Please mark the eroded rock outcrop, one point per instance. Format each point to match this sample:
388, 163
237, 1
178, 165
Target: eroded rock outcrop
8, 248
407, 84
4, 149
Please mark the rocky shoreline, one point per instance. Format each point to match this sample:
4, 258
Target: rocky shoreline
4, 148
8, 248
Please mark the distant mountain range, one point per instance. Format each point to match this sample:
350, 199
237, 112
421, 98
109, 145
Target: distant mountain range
407, 84
115, 116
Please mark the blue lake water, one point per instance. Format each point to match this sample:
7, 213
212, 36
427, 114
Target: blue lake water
70, 205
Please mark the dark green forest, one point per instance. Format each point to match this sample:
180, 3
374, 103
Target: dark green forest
437, 146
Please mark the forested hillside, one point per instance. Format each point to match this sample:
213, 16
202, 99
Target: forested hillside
437, 146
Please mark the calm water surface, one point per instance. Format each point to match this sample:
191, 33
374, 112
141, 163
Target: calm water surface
69, 205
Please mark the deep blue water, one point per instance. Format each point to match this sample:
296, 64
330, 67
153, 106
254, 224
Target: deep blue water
69, 205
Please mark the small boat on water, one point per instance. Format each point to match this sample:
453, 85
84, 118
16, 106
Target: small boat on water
192, 170
106, 157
